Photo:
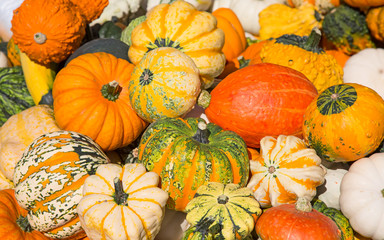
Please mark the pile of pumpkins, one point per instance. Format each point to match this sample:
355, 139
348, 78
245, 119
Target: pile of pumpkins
184, 119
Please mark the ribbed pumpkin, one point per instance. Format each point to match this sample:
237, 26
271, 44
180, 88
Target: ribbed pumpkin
189, 153
375, 22
180, 25
261, 100
222, 211
14, 224
49, 178
165, 83
304, 55
364, 3
50, 36
285, 170
345, 122
91, 97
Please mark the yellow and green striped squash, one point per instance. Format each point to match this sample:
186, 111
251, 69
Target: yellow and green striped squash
188, 153
180, 25
165, 83
49, 178
222, 211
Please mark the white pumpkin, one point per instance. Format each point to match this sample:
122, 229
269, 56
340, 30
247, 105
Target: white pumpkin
6, 14
362, 196
366, 68
3, 60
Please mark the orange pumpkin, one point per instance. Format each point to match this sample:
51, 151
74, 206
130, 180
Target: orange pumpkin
340, 56
90, 10
364, 3
375, 22
250, 56
91, 97
47, 31
13, 220
235, 41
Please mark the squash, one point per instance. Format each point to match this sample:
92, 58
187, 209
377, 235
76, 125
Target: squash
304, 55
208, 153
180, 25
225, 211
127, 32
374, 18
279, 19
111, 29
122, 202
366, 68
340, 56
361, 196
329, 191
49, 178
201, 5
239, 101
250, 56
47, 37
340, 127
13, 53
90, 10
235, 42
91, 97
323, 6
14, 95
14, 223
285, 170
165, 83
364, 4
296, 221
347, 30
6, 14
17, 133
4, 62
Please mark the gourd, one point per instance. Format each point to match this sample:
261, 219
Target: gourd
374, 18
180, 25
340, 56
90, 10
122, 202
201, 5
14, 222
339, 126
250, 56
240, 101
323, 6
17, 133
304, 55
285, 170
91, 97
222, 211
365, 68
209, 154
127, 32
49, 178
279, 19
6, 14
296, 221
13, 53
329, 191
364, 4
361, 196
347, 30
165, 83
14, 95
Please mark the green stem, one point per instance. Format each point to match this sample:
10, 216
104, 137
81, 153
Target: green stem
111, 90
313, 39
23, 223
303, 205
202, 133
120, 196
204, 99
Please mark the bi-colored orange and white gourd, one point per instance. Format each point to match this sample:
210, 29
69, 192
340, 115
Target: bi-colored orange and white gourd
285, 170
122, 202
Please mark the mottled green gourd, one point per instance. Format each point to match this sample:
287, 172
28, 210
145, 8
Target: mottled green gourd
14, 94
346, 28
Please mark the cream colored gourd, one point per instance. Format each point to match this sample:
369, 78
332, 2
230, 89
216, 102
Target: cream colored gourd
329, 191
285, 170
6, 14
362, 196
122, 203
17, 133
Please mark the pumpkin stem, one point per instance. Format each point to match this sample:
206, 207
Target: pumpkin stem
40, 38
202, 133
303, 205
222, 199
313, 39
204, 99
120, 196
111, 90
23, 223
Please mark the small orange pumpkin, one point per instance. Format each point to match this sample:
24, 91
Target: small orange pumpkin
250, 56
90, 10
375, 22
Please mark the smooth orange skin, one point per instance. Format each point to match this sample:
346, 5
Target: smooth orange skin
261, 100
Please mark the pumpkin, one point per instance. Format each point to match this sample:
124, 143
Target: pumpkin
252, 96
296, 221
13, 53
127, 32
250, 56
90, 10
14, 223
201, 5
50, 36
111, 29
340, 127
225, 211
122, 202
235, 42
323, 6
375, 23
180, 25
14, 94
17, 133
340, 56
49, 178
285, 170
361, 196
366, 68
6, 14
346, 28
208, 153
364, 3
165, 83
91, 97
304, 55
329, 191
279, 19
